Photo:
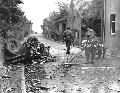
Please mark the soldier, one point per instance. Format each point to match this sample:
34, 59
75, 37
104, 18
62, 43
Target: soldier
91, 35
68, 38
90, 46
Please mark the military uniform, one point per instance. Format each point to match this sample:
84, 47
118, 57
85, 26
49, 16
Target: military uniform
93, 49
86, 46
101, 50
68, 38
90, 48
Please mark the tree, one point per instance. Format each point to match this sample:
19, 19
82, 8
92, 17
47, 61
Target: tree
90, 8
92, 14
63, 7
10, 11
54, 17
10, 14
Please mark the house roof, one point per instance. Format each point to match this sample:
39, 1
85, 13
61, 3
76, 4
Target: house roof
26, 20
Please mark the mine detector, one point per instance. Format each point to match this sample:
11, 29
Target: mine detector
25, 52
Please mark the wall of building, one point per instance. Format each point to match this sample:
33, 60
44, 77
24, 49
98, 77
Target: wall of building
112, 40
27, 28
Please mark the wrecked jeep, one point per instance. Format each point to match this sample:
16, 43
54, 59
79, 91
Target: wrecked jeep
26, 52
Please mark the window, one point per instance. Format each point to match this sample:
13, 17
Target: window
76, 35
112, 23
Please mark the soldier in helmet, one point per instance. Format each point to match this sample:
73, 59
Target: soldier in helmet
90, 46
91, 34
68, 38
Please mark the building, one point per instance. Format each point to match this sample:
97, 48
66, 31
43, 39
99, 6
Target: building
27, 28
112, 24
47, 27
73, 20
61, 26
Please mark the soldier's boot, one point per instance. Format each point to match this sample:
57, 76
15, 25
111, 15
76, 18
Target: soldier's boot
68, 49
68, 52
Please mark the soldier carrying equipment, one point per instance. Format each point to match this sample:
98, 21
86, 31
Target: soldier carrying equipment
93, 48
68, 38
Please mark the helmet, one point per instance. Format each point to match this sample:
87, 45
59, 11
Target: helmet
68, 27
92, 32
88, 29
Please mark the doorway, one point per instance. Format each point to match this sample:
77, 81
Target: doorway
63, 27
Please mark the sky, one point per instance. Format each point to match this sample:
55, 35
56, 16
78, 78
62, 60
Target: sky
37, 10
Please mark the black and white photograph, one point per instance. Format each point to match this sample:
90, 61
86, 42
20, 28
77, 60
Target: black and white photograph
59, 46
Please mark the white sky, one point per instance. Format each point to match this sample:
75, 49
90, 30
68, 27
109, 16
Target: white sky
37, 10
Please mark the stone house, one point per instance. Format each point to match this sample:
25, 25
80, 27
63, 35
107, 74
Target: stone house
61, 27
111, 31
112, 24
47, 28
56, 31
27, 28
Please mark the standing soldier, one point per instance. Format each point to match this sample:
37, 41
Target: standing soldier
68, 38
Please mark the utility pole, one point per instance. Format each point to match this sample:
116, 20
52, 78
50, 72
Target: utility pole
71, 20
104, 1
71, 15
102, 22
79, 25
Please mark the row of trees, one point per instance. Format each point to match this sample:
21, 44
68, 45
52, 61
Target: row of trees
11, 16
91, 13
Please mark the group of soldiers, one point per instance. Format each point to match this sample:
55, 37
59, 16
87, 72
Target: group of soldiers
92, 47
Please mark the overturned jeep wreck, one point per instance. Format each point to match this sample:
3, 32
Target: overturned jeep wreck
28, 52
